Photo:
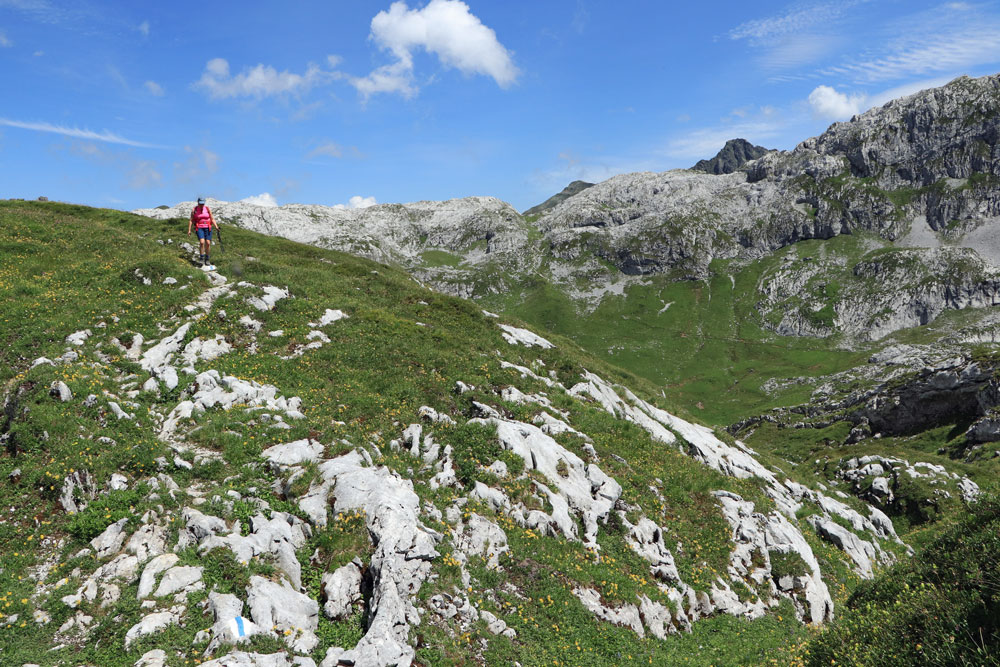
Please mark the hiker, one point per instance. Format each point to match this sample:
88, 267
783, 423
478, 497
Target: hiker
202, 219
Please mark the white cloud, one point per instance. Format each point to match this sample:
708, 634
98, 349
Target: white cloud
144, 28
829, 103
4, 42
258, 82
445, 28
154, 88
357, 201
395, 78
263, 199
76, 133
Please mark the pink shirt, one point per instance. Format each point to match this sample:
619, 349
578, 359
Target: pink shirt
202, 217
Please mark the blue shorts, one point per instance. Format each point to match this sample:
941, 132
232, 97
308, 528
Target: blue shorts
204, 233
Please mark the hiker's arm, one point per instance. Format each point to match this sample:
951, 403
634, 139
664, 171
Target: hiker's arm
212, 218
190, 222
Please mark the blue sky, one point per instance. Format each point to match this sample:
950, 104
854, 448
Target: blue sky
136, 104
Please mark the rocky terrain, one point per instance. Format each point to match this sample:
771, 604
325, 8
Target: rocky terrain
345, 468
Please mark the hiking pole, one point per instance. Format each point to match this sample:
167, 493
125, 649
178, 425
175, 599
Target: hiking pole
221, 247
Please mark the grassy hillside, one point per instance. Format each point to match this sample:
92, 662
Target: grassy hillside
66, 269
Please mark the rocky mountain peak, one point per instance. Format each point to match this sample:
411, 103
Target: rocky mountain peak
732, 157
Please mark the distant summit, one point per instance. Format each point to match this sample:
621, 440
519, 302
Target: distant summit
733, 155
553, 201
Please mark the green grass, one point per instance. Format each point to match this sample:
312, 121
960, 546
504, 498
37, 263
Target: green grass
435, 258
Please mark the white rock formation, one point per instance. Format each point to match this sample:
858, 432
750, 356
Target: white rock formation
517, 336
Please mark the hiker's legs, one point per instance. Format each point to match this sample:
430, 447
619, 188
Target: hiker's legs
204, 243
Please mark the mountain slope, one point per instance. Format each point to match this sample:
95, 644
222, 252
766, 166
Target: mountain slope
308, 454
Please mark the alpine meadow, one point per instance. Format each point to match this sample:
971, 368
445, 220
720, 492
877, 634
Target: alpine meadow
741, 413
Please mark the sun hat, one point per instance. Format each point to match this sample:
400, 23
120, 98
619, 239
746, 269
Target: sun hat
201, 201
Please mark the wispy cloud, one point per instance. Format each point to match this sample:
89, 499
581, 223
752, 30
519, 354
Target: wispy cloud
326, 149
581, 17
144, 28
4, 42
25, 5
198, 165
949, 48
794, 51
139, 174
793, 20
154, 88
77, 133
571, 166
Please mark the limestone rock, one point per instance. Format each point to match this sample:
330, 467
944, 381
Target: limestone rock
481, 537
626, 615
517, 336
180, 578
78, 488
61, 391
157, 565
155, 658
110, 541
153, 623
294, 453
274, 605
342, 590
583, 487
